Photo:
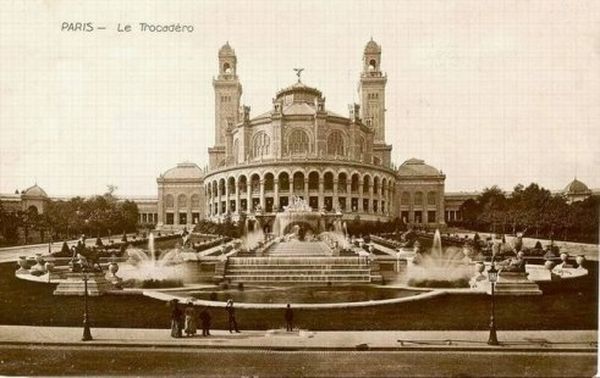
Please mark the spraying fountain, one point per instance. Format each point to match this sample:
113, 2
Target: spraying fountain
144, 266
440, 267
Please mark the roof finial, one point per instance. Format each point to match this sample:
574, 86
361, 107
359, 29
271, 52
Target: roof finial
298, 73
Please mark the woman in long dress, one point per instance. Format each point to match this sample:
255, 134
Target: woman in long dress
190, 320
175, 319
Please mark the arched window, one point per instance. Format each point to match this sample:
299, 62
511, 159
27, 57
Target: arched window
255, 183
231, 185
313, 180
354, 183
418, 198
298, 181
226, 68
366, 184
195, 200
242, 184
284, 182
376, 186
169, 201
261, 144
342, 182
298, 142
431, 198
181, 201
328, 181
335, 143
222, 187
269, 182
372, 64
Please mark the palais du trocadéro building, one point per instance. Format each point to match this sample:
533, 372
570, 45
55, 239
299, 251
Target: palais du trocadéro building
297, 147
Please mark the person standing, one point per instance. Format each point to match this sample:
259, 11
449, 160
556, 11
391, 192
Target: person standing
205, 319
176, 316
289, 318
231, 314
190, 320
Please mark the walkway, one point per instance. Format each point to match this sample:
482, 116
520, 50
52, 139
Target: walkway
590, 251
8, 254
543, 341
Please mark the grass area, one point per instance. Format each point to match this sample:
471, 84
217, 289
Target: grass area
29, 303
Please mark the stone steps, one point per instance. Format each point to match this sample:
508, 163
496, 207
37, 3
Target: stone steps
298, 269
296, 261
308, 271
301, 278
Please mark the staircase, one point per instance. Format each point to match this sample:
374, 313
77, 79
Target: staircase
285, 267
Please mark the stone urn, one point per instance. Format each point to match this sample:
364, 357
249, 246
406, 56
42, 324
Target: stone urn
564, 257
549, 265
580, 260
111, 275
23, 265
39, 266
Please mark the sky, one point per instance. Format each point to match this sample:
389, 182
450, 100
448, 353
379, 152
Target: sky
490, 92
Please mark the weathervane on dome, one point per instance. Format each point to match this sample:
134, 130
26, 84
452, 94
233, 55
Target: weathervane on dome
298, 73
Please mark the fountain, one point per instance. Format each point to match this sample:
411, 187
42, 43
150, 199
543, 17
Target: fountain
143, 267
251, 239
439, 267
302, 251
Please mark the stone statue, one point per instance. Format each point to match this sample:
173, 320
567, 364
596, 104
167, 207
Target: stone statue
514, 264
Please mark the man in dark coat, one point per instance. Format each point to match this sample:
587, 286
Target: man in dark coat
231, 313
289, 318
205, 320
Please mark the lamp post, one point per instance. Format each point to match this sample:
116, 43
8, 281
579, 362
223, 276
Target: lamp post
87, 334
493, 277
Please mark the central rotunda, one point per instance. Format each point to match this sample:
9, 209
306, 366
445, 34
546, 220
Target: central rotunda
301, 149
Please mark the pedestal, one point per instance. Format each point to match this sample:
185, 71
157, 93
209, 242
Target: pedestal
74, 285
516, 283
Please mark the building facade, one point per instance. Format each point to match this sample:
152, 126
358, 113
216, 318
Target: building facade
298, 147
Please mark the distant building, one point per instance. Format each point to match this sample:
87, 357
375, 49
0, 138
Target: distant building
576, 191
33, 198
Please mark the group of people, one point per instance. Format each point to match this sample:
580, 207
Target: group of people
184, 321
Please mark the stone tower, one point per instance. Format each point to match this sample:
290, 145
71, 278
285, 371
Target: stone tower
228, 92
371, 90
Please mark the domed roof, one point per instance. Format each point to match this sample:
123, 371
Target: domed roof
576, 186
372, 47
34, 191
417, 167
184, 171
226, 50
299, 87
